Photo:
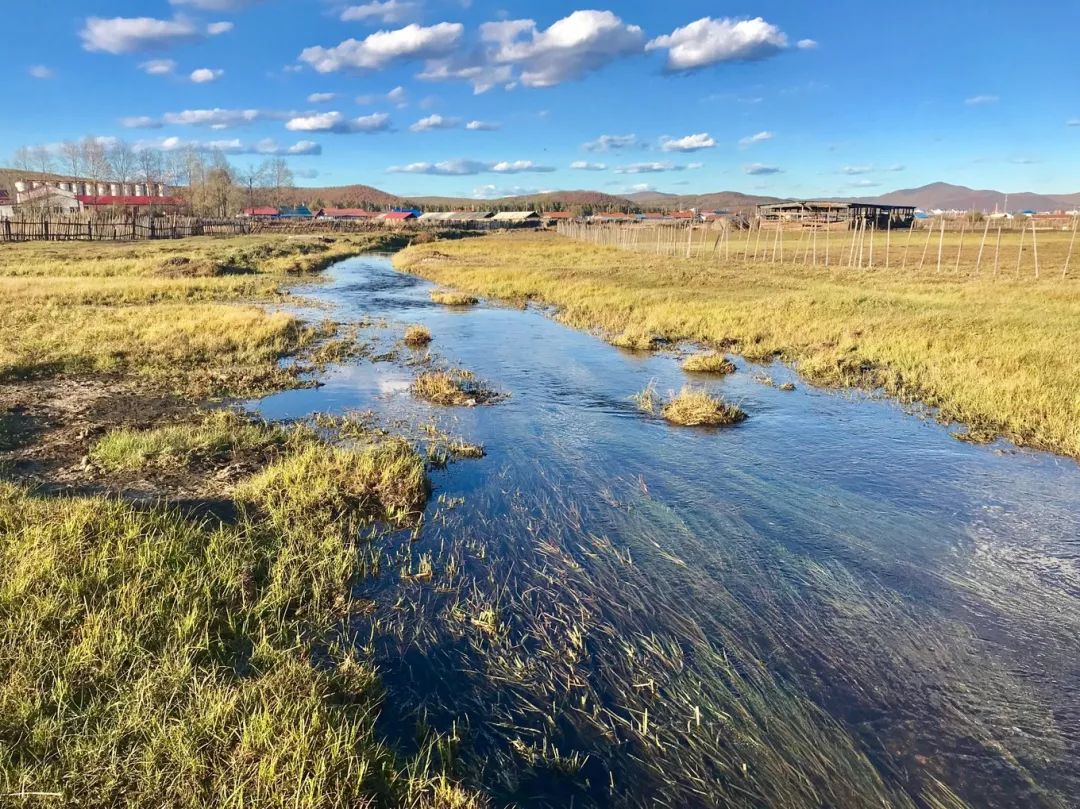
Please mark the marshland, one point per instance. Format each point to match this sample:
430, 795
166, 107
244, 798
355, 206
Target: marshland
262, 547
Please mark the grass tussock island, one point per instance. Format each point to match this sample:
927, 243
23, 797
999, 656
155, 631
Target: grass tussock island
693, 407
417, 336
995, 353
708, 363
455, 386
186, 643
449, 298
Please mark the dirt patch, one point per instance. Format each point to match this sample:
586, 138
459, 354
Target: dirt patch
49, 425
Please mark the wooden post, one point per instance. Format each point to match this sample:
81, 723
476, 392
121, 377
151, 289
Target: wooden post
1035, 247
813, 261
956, 269
929, 234
757, 240
873, 228
1072, 239
746, 249
982, 244
997, 251
780, 232
940, 244
689, 236
907, 243
888, 239
1020, 252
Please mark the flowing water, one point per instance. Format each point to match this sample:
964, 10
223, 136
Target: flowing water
834, 603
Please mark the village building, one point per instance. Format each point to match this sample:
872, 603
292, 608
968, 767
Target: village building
397, 217
835, 215
264, 212
7, 204
345, 214
517, 217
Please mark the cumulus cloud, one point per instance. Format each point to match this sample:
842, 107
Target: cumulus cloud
458, 168
655, 167
321, 98
482, 126
268, 146
757, 137
710, 41
806, 44
571, 47
585, 165
133, 34
337, 123
494, 191
435, 121
690, 143
158, 67
755, 169
607, 143
853, 170
204, 75
976, 101
218, 118
386, 11
384, 47
397, 96
216, 28
471, 67
41, 72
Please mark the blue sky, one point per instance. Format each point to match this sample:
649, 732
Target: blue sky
478, 98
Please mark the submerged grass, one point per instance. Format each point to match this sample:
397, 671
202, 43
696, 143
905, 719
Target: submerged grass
417, 336
695, 407
995, 353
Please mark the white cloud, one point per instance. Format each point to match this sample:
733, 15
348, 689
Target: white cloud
216, 5
216, 28
482, 126
204, 75
1073, 122
217, 117
158, 67
757, 137
384, 47
321, 98
41, 72
397, 96
494, 192
573, 46
655, 167
132, 34
435, 121
471, 68
690, 143
585, 165
387, 11
806, 44
306, 174
337, 123
606, 143
457, 168
976, 101
863, 183
233, 146
854, 170
709, 41
140, 122
755, 169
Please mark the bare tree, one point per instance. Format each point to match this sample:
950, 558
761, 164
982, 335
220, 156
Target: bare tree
121, 160
252, 177
72, 155
23, 158
279, 178
95, 161
151, 166
43, 159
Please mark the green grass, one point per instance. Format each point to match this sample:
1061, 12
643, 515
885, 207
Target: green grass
219, 436
455, 386
994, 353
152, 659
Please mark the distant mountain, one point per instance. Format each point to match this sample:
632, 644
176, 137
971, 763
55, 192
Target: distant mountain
567, 200
345, 196
959, 197
718, 200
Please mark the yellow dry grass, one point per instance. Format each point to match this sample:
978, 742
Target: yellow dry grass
995, 353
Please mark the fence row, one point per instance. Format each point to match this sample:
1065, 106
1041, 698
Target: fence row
97, 227
991, 248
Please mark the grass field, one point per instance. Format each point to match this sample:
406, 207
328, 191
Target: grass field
996, 354
186, 651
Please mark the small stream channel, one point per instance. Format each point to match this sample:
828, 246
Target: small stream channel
834, 603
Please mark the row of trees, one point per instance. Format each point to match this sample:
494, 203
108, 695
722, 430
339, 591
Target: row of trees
206, 180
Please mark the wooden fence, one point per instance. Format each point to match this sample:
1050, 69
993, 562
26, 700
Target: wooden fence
115, 227
988, 248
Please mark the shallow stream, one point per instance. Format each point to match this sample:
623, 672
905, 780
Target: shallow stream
834, 603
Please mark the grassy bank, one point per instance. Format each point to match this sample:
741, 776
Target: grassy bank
183, 639
996, 354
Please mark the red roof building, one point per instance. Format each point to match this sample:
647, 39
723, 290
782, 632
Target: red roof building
398, 216
264, 213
